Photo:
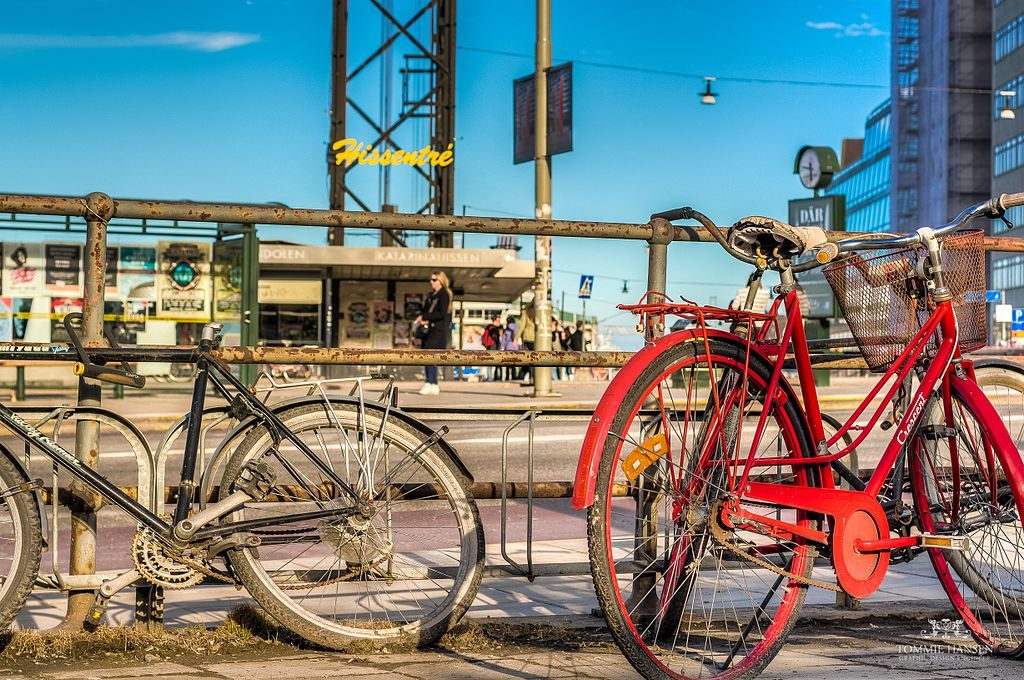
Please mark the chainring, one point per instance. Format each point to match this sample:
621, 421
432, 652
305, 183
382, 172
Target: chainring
723, 537
161, 567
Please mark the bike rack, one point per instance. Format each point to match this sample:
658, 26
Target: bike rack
528, 417
146, 464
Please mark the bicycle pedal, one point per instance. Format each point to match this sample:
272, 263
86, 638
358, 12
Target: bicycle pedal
99, 607
943, 542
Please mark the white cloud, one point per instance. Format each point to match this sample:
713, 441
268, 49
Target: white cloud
825, 25
187, 40
865, 28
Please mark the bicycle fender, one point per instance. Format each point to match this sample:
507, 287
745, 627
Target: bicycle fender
590, 454
20, 465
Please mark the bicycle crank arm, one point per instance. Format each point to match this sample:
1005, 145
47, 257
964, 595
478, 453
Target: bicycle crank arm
187, 528
255, 482
922, 541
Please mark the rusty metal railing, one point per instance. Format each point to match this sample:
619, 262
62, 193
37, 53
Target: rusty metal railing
97, 209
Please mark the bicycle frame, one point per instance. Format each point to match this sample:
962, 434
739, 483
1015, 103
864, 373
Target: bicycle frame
208, 371
942, 319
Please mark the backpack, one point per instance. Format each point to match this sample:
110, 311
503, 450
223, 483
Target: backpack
488, 339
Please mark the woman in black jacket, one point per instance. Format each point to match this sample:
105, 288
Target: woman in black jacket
437, 315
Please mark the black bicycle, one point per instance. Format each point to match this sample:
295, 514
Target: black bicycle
346, 520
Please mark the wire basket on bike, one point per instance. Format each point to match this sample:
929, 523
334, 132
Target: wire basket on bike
885, 302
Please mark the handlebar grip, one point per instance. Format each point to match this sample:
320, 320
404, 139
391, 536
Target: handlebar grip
110, 375
1010, 200
827, 252
675, 214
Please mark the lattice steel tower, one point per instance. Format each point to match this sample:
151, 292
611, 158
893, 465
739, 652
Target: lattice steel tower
422, 34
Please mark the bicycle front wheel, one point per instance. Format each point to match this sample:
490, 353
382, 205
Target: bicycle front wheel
401, 576
961, 489
20, 541
684, 595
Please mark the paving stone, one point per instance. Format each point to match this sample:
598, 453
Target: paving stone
142, 670
292, 668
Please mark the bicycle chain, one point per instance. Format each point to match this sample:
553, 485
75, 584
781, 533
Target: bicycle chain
720, 535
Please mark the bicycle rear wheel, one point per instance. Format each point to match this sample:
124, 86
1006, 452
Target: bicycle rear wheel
961, 489
402, 576
680, 591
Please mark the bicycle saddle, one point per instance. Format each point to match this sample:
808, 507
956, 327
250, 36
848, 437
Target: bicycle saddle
764, 237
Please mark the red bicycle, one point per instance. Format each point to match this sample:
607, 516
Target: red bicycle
714, 490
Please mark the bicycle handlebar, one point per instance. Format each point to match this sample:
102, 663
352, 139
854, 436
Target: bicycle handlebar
993, 208
87, 369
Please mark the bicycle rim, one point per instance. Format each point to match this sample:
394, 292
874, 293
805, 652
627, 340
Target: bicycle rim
960, 489
404, 575
680, 601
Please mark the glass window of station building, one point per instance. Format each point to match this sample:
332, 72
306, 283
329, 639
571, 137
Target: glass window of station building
865, 180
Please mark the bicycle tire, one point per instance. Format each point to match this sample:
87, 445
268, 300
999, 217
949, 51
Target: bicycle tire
951, 483
425, 516
21, 542
640, 635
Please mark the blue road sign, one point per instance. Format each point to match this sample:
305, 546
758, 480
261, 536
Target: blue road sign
1018, 319
586, 285
993, 296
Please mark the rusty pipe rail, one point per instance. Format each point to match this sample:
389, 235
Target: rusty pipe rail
341, 356
188, 211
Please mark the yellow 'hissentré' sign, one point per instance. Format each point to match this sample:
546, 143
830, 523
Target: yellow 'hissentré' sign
350, 151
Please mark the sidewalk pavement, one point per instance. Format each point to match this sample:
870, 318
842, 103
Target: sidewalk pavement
887, 636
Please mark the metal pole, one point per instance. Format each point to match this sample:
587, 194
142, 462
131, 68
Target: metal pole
99, 208
249, 332
542, 192
339, 104
657, 267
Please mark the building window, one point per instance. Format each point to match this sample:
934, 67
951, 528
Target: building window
1008, 272
1009, 38
292, 324
1008, 156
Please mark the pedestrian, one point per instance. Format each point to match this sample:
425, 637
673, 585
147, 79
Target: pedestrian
556, 346
527, 335
566, 331
491, 340
437, 317
576, 343
509, 342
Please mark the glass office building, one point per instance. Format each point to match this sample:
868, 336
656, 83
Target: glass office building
1007, 270
865, 181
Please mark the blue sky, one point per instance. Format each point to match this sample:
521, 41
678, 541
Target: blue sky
227, 100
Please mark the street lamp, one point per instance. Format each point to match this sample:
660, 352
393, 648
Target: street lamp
707, 96
1007, 111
